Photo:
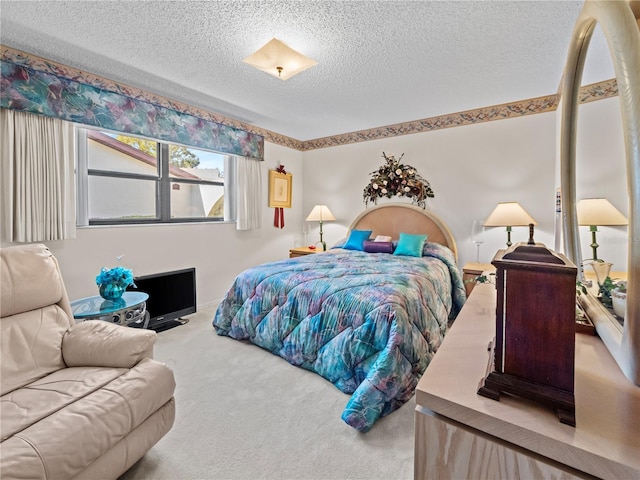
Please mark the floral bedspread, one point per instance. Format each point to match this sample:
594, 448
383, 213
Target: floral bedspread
367, 322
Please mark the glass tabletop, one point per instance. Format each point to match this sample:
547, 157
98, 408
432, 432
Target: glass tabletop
97, 306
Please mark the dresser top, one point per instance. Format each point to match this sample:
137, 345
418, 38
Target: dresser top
606, 439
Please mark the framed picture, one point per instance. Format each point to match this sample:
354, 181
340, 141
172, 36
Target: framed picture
280, 189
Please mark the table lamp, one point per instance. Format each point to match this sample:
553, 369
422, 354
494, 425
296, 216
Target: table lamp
321, 213
509, 214
598, 211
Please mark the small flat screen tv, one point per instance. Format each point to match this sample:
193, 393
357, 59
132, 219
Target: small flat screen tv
171, 295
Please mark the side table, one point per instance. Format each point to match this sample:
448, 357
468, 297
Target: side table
472, 270
129, 310
301, 251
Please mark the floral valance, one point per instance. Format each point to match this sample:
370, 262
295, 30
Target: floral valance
32, 90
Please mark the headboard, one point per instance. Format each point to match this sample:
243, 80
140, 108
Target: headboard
393, 218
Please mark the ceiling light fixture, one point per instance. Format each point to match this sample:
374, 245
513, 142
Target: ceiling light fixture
279, 60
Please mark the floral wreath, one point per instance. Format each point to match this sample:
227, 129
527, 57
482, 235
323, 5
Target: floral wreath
397, 179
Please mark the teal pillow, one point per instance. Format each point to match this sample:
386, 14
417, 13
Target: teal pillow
356, 239
410, 245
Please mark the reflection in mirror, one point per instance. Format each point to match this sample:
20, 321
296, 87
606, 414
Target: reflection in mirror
601, 169
620, 29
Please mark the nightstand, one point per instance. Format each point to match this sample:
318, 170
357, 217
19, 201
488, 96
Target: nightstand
472, 270
301, 251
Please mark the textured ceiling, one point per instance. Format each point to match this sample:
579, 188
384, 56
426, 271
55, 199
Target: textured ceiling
379, 62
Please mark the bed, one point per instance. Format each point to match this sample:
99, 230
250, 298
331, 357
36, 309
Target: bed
367, 322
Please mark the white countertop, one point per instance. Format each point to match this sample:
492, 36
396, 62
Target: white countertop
606, 439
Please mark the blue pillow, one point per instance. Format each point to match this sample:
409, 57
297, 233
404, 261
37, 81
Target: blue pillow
356, 239
410, 245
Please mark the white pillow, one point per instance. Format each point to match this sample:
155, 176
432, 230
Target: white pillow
382, 238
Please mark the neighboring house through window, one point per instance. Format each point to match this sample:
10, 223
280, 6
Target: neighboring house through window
124, 179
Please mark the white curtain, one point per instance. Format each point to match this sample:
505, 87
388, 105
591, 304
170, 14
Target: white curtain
249, 194
38, 195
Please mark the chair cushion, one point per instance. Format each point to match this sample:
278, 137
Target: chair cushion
63, 443
101, 344
35, 313
31, 346
27, 405
30, 279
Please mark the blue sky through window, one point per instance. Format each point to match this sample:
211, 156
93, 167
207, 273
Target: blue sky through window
209, 159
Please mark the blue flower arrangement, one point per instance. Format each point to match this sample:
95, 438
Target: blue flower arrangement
118, 275
114, 281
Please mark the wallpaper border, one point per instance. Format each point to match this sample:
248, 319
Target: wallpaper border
468, 117
531, 106
549, 103
598, 91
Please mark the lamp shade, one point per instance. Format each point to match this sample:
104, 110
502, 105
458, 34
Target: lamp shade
509, 214
320, 213
599, 211
279, 60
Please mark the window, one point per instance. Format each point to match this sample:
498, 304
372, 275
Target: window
123, 179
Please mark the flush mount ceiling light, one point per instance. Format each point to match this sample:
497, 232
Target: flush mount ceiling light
279, 60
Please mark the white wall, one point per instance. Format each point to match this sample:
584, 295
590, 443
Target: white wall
474, 167
218, 251
471, 169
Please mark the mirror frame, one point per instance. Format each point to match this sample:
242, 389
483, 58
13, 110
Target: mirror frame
622, 32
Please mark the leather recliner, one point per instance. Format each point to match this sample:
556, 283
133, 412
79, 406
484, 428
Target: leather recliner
81, 400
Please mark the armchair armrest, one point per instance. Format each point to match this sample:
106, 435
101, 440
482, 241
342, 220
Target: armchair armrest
95, 343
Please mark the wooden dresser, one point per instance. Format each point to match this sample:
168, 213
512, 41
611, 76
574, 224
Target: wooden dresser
462, 435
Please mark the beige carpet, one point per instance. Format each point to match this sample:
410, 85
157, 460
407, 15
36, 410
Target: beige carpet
243, 413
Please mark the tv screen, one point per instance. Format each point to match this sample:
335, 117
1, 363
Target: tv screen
171, 295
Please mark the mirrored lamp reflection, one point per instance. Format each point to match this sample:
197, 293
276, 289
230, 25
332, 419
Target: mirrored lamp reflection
598, 211
321, 213
509, 214
279, 60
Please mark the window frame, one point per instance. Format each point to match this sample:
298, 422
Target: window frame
163, 181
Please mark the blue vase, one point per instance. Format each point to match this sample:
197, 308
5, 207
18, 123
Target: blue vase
111, 291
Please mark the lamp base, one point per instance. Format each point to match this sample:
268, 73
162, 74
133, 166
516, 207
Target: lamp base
594, 245
324, 245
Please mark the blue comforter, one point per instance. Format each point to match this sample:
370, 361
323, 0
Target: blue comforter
368, 322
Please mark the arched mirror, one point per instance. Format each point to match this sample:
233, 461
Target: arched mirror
620, 28
601, 173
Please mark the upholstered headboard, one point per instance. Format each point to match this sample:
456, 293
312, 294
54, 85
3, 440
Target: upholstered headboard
393, 218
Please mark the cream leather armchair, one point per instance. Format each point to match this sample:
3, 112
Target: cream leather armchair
79, 400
